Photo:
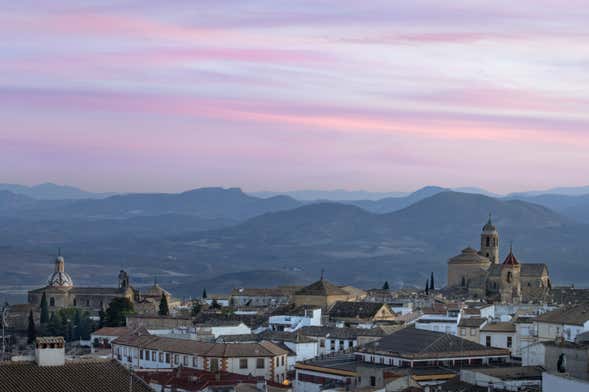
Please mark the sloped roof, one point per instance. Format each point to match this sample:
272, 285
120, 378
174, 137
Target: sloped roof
417, 343
535, 270
469, 255
573, 315
472, 322
363, 310
340, 333
499, 327
74, 376
510, 259
321, 288
112, 331
185, 346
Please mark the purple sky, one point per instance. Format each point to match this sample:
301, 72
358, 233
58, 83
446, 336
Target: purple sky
154, 95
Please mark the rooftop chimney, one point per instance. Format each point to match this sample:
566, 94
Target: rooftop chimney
50, 351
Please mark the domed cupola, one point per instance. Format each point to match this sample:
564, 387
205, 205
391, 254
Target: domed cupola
59, 278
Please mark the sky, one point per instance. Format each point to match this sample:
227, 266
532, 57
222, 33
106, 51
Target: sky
159, 95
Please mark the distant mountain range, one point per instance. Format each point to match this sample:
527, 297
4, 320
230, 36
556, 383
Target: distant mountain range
210, 235
50, 191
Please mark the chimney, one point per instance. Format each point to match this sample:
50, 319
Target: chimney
50, 351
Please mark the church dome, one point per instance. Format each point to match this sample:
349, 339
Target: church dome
59, 278
489, 227
469, 255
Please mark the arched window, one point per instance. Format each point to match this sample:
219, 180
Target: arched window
51, 301
488, 241
509, 277
75, 302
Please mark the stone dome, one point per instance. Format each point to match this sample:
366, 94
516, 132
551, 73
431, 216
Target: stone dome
489, 227
59, 278
469, 255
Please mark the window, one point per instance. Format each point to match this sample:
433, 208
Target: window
509, 341
51, 301
185, 360
243, 363
321, 342
341, 345
332, 345
281, 361
350, 344
167, 357
176, 359
154, 356
372, 381
214, 366
488, 241
75, 302
473, 332
140, 354
260, 363
488, 341
87, 302
509, 276
462, 331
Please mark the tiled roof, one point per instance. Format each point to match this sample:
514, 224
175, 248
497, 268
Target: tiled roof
514, 373
499, 327
265, 292
205, 349
282, 336
417, 343
321, 287
510, 259
251, 320
363, 310
340, 333
112, 331
535, 270
74, 376
472, 322
573, 315
293, 310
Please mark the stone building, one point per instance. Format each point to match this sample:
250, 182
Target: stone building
61, 292
323, 294
482, 276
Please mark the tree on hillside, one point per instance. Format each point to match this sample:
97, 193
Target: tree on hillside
204, 293
426, 287
215, 304
164, 310
32, 329
196, 306
431, 283
44, 309
385, 286
117, 311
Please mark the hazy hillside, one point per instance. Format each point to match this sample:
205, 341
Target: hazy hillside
391, 204
49, 191
189, 239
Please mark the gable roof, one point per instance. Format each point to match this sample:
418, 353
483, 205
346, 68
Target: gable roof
573, 315
74, 376
472, 322
363, 310
416, 343
499, 327
535, 270
323, 288
510, 259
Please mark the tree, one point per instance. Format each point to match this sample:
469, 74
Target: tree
164, 310
426, 287
215, 304
44, 309
385, 286
431, 283
196, 306
55, 325
204, 293
31, 330
117, 311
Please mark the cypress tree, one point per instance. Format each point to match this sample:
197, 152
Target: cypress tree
44, 309
426, 287
204, 293
31, 330
385, 286
164, 310
431, 283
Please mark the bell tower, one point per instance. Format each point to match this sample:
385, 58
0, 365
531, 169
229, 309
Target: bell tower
490, 242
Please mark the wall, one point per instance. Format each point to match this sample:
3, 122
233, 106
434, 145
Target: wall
559, 383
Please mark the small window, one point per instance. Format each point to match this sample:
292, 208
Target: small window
473, 332
260, 363
321, 342
167, 357
509, 341
341, 344
88, 302
214, 366
140, 354
51, 301
75, 302
161, 357
243, 363
350, 344
488, 341
462, 331
372, 381
176, 359
185, 360
281, 361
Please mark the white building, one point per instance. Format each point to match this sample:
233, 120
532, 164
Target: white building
566, 322
145, 351
499, 335
294, 319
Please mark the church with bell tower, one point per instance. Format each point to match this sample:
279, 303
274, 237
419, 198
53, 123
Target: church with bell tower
481, 274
